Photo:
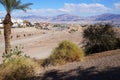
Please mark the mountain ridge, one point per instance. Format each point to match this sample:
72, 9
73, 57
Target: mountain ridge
72, 18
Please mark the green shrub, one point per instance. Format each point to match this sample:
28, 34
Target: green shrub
13, 52
100, 37
17, 67
56, 25
72, 30
65, 52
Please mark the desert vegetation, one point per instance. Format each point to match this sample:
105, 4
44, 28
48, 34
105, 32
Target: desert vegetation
17, 66
56, 25
100, 37
65, 52
72, 30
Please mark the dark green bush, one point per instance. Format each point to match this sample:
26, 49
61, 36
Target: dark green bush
118, 42
65, 52
100, 37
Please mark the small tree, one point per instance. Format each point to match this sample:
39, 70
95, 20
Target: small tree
99, 37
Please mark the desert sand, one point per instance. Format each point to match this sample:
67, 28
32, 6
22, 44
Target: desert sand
39, 43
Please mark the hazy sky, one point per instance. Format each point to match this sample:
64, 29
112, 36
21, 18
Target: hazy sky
77, 7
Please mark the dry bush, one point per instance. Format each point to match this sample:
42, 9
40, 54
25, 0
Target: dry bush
65, 52
17, 36
72, 30
17, 67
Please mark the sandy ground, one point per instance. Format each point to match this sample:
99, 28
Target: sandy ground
39, 43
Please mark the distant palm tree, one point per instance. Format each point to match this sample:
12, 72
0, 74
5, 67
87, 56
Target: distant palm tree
9, 6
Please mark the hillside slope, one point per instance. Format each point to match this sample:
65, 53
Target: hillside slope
100, 66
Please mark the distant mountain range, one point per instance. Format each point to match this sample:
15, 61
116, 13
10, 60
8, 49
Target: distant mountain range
66, 17
106, 17
73, 18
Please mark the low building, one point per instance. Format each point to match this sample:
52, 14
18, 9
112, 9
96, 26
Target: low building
17, 23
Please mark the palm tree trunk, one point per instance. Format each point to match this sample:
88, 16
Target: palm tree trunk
7, 31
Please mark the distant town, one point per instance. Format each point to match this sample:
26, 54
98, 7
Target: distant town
43, 22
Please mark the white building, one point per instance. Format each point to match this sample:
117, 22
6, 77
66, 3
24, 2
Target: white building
1, 25
17, 22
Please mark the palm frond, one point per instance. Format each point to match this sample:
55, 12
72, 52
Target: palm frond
11, 5
2, 2
23, 7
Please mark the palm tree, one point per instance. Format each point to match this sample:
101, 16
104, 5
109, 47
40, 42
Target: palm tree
9, 6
